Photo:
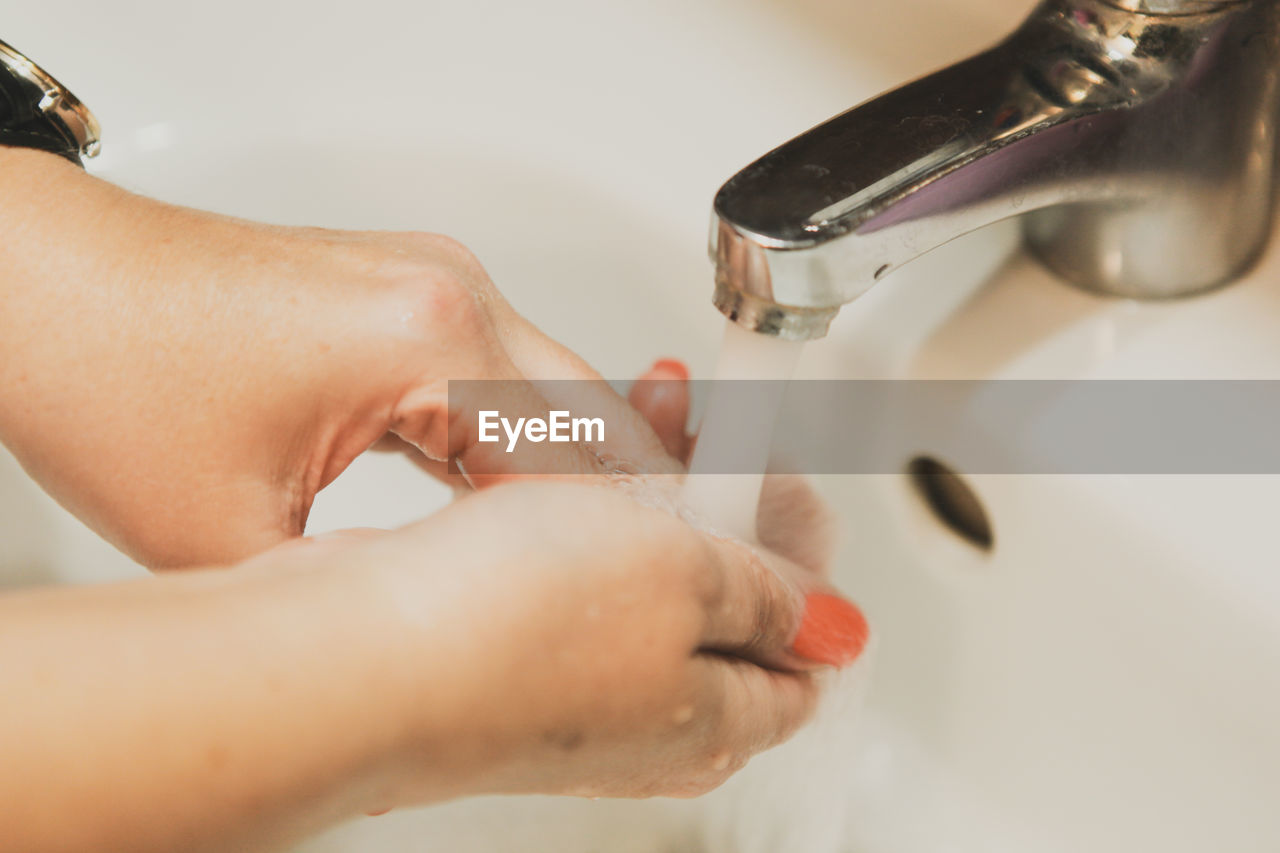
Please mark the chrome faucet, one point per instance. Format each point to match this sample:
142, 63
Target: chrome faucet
1136, 138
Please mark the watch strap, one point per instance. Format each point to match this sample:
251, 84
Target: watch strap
24, 124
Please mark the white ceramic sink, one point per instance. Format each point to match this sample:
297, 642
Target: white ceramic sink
1106, 679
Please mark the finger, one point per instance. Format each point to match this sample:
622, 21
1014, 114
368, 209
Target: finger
446, 472
754, 708
391, 443
446, 427
661, 395
765, 609
573, 384
793, 520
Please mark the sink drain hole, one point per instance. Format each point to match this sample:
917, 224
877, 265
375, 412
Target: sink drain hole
952, 501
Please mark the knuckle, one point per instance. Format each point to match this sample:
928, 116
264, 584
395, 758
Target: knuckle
697, 787
431, 300
712, 713
791, 713
773, 604
782, 731
446, 299
708, 779
430, 282
758, 608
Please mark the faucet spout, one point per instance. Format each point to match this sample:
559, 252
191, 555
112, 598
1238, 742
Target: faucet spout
1139, 148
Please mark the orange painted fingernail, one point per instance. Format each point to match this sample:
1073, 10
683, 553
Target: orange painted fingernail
377, 813
833, 630
675, 368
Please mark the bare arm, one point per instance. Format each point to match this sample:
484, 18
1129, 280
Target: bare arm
244, 708
213, 710
186, 383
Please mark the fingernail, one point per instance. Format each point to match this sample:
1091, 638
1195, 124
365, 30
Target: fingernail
833, 630
377, 812
674, 368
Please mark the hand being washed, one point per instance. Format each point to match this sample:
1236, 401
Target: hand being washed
533, 637
186, 383
626, 654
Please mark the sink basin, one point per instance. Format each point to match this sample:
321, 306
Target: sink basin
1104, 678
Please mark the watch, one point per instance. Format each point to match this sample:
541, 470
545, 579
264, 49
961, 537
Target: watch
36, 111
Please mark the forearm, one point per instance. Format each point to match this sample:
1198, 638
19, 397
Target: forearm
123, 335
68, 261
215, 710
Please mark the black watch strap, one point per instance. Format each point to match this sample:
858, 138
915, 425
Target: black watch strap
23, 124
36, 111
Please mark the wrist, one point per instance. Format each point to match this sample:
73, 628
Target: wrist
340, 708
256, 693
437, 670
133, 384
408, 678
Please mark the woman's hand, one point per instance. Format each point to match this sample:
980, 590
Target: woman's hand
186, 383
533, 637
583, 643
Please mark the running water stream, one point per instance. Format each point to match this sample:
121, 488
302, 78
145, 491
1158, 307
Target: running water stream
724, 495
798, 795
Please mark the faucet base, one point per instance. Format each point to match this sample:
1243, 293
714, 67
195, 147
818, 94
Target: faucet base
1139, 252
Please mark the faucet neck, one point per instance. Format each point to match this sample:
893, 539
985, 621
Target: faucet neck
1137, 149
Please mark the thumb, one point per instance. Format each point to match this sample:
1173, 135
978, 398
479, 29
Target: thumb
565, 379
766, 609
446, 427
